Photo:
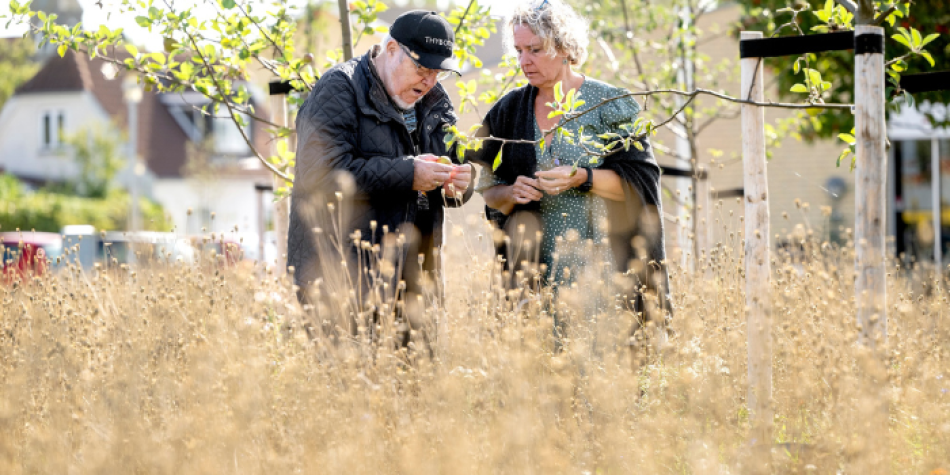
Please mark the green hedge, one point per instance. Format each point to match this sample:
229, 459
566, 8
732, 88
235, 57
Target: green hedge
44, 210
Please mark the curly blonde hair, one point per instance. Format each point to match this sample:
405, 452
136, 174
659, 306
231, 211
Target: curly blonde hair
560, 28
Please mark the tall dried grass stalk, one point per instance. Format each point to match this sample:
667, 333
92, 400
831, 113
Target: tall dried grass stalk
209, 369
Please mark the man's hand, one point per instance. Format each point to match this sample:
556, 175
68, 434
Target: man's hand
558, 180
459, 180
429, 174
525, 190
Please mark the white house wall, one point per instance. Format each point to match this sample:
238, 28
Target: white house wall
21, 150
233, 201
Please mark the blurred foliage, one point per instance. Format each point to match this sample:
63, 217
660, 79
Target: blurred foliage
16, 62
837, 67
45, 210
97, 153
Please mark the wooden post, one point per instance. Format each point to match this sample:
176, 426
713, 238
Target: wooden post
346, 29
282, 206
758, 268
870, 432
870, 176
937, 205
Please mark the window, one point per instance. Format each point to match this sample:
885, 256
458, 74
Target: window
227, 137
52, 129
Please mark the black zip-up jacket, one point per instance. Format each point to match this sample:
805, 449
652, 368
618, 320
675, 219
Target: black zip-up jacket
351, 138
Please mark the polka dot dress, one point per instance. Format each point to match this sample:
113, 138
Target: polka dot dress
575, 223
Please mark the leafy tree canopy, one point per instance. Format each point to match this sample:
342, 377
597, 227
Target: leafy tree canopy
930, 18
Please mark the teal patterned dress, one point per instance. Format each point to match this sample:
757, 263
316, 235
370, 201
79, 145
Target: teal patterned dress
575, 223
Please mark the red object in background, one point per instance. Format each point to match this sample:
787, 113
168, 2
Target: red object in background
31, 251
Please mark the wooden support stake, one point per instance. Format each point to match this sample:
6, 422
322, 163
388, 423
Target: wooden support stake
937, 205
870, 180
758, 269
282, 206
871, 413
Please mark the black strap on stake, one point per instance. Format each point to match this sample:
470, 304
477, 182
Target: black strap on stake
926, 82
280, 88
732, 193
796, 45
674, 171
869, 43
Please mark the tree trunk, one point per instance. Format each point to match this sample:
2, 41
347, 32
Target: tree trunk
346, 30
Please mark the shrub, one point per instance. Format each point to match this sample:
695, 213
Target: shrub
44, 210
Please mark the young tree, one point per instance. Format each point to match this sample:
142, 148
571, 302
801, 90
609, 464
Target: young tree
905, 51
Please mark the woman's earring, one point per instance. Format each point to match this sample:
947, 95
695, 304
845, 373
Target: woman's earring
565, 61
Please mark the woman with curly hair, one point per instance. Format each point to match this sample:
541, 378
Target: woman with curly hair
585, 208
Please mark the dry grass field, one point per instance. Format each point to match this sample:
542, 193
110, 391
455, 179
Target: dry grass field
175, 369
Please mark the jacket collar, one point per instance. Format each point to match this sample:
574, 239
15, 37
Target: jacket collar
379, 103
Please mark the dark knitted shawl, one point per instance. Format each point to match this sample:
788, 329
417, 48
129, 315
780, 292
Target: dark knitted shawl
639, 215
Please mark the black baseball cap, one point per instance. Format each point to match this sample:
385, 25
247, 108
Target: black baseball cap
429, 38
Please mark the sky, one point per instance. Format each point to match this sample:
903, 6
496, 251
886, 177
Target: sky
93, 16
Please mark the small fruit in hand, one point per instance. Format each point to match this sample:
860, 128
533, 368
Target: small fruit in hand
444, 160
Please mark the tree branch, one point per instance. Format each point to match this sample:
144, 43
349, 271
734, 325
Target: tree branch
700, 91
848, 5
227, 104
462, 20
882, 17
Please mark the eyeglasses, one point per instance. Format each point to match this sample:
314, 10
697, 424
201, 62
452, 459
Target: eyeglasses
440, 74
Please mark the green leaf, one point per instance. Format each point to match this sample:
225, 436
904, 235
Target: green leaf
814, 77
62, 50
497, 162
558, 93
132, 50
170, 44
825, 85
638, 145
228, 4
796, 67
928, 57
844, 153
902, 40
915, 35
799, 88
847, 138
929, 38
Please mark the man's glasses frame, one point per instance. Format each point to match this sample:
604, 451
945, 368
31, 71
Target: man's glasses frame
440, 74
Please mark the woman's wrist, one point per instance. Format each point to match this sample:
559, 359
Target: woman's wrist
581, 177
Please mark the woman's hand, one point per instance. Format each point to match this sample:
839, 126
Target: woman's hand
504, 198
560, 179
525, 190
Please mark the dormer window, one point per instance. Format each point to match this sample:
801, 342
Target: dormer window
52, 129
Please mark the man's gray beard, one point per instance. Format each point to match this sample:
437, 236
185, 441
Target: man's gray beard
402, 104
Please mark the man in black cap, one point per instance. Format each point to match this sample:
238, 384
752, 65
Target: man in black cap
369, 186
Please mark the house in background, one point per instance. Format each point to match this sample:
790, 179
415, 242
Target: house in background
918, 183
192, 161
